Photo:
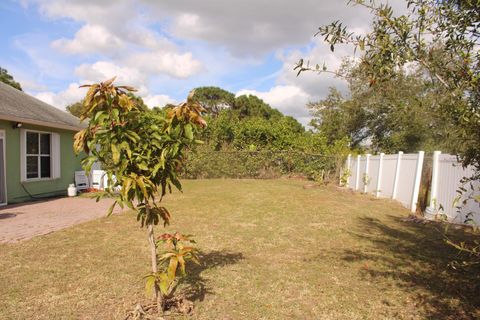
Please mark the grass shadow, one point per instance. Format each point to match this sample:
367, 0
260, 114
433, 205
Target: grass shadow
417, 258
196, 286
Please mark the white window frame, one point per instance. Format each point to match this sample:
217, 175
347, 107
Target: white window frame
54, 158
39, 156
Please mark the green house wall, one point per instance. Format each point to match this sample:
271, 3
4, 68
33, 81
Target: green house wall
69, 163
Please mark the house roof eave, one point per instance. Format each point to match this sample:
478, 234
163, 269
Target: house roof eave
41, 123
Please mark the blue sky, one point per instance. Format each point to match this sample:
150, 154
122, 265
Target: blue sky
167, 48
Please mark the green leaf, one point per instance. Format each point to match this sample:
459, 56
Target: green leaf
156, 136
133, 136
156, 168
176, 183
142, 166
97, 115
189, 131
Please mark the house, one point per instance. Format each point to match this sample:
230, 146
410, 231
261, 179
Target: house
36, 148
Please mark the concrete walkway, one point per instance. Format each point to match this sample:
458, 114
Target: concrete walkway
27, 220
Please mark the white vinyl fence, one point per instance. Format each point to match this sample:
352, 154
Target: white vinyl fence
445, 198
398, 176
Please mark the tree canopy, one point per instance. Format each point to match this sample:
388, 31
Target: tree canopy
395, 114
248, 123
213, 99
76, 109
5, 77
441, 39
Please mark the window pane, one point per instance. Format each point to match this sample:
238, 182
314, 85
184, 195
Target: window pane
32, 167
45, 167
45, 143
32, 143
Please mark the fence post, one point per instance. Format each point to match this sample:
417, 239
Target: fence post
397, 175
430, 211
366, 177
416, 185
357, 174
349, 163
379, 180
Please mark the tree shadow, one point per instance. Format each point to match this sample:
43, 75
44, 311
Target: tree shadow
416, 256
7, 215
196, 286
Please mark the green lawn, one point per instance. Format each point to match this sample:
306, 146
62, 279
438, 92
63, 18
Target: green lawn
271, 250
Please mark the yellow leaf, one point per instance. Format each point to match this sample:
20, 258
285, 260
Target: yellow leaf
191, 94
166, 256
164, 283
149, 285
181, 261
109, 82
172, 268
115, 154
141, 184
127, 184
79, 144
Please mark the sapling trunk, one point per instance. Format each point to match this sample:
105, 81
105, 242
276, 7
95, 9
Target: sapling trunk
153, 253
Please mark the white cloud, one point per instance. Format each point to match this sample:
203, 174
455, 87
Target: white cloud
314, 84
29, 84
121, 32
255, 27
158, 100
101, 71
104, 70
169, 43
90, 39
63, 98
110, 13
291, 93
164, 62
74, 94
44, 59
289, 99
245, 28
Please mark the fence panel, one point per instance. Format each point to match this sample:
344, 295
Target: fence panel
362, 172
394, 176
398, 176
406, 179
373, 174
450, 174
388, 175
353, 173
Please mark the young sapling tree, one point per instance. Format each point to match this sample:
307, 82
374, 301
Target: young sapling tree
141, 151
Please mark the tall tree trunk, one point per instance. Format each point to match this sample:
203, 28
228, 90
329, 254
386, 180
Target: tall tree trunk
153, 253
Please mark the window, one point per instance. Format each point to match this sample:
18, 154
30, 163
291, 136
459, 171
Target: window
38, 155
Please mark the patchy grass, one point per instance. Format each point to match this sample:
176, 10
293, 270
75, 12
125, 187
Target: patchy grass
271, 250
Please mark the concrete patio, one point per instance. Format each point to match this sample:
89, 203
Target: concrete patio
27, 220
